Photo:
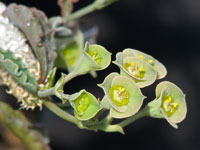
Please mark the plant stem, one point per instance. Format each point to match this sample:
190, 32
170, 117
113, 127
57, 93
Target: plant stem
140, 114
61, 113
46, 93
82, 12
96, 5
50, 91
107, 120
70, 76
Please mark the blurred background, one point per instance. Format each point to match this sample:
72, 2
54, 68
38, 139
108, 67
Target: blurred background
168, 30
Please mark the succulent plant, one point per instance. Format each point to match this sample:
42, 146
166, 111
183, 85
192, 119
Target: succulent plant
29, 45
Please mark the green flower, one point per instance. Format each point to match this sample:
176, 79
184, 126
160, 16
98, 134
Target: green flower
94, 57
140, 71
169, 103
70, 50
122, 96
159, 67
85, 105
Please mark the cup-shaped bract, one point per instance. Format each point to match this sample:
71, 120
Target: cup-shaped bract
70, 53
169, 104
159, 67
94, 58
140, 71
122, 94
85, 105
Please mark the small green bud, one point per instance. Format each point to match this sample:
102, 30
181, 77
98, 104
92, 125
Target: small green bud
159, 67
85, 105
122, 96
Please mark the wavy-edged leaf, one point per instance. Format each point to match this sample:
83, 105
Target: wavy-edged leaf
17, 70
34, 25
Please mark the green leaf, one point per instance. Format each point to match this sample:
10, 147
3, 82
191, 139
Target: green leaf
85, 105
159, 67
141, 72
94, 57
16, 69
123, 95
34, 24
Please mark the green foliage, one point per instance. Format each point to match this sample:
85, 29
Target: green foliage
35, 26
16, 69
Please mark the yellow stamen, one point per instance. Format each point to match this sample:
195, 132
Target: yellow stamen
141, 57
150, 61
169, 100
169, 106
141, 69
132, 63
175, 105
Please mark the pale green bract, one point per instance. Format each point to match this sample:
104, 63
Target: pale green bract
173, 109
129, 89
85, 105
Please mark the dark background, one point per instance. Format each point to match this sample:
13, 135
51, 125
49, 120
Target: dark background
167, 29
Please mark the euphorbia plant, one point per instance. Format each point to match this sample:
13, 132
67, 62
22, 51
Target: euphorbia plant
32, 46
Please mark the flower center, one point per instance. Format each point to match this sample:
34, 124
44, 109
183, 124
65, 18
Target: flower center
169, 105
133, 69
82, 103
119, 95
95, 56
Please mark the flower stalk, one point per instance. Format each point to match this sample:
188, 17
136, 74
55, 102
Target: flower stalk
96, 5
